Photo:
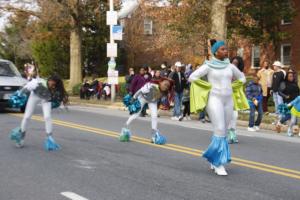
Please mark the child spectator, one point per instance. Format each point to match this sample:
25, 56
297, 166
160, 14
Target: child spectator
186, 105
254, 96
295, 111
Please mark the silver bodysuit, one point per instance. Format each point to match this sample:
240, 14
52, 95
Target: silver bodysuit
220, 104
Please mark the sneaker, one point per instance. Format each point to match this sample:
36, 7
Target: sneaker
220, 171
175, 118
188, 118
256, 128
251, 129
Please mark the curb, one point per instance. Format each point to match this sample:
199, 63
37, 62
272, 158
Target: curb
241, 123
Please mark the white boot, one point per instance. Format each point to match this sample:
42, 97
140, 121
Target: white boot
220, 171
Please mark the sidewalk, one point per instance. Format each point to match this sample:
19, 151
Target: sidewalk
118, 105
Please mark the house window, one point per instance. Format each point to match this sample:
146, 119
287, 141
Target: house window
240, 52
255, 56
285, 53
148, 26
286, 21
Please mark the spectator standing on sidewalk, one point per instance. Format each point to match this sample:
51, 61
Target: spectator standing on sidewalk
186, 95
278, 77
156, 76
288, 90
138, 81
265, 79
254, 96
128, 78
164, 71
180, 83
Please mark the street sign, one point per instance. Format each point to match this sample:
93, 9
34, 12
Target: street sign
112, 50
112, 64
112, 77
117, 32
111, 18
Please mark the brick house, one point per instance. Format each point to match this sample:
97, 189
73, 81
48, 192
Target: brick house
141, 31
288, 51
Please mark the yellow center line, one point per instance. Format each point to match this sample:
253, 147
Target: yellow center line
187, 150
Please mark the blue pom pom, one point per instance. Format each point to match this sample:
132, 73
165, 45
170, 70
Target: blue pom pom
55, 104
134, 107
50, 144
283, 109
127, 99
159, 139
17, 100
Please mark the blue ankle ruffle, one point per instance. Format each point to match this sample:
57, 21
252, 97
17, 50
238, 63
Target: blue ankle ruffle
218, 152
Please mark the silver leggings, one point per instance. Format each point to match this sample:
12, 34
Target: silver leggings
219, 109
233, 121
153, 109
31, 104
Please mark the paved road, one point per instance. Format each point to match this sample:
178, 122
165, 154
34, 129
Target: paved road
95, 166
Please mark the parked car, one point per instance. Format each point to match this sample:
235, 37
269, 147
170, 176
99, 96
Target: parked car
10, 81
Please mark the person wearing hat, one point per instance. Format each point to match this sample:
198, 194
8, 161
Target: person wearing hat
265, 79
180, 83
219, 106
278, 78
164, 70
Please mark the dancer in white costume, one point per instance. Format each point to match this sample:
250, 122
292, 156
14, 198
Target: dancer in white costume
50, 93
150, 93
220, 74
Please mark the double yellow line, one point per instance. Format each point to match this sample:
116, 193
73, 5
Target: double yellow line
182, 149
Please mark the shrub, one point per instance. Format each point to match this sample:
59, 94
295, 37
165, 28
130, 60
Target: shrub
76, 89
122, 91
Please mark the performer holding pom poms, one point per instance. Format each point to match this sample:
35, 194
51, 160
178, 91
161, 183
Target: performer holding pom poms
150, 93
50, 94
220, 74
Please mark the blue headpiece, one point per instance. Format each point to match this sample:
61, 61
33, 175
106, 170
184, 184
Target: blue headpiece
216, 46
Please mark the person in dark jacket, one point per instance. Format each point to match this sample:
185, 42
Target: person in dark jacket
254, 96
128, 78
164, 72
288, 90
180, 83
138, 81
278, 77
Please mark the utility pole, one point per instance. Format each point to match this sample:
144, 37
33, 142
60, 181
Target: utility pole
112, 49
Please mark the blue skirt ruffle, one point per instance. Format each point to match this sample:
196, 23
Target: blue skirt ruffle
218, 152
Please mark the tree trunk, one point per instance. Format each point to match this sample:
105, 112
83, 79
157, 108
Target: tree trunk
218, 17
75, 58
